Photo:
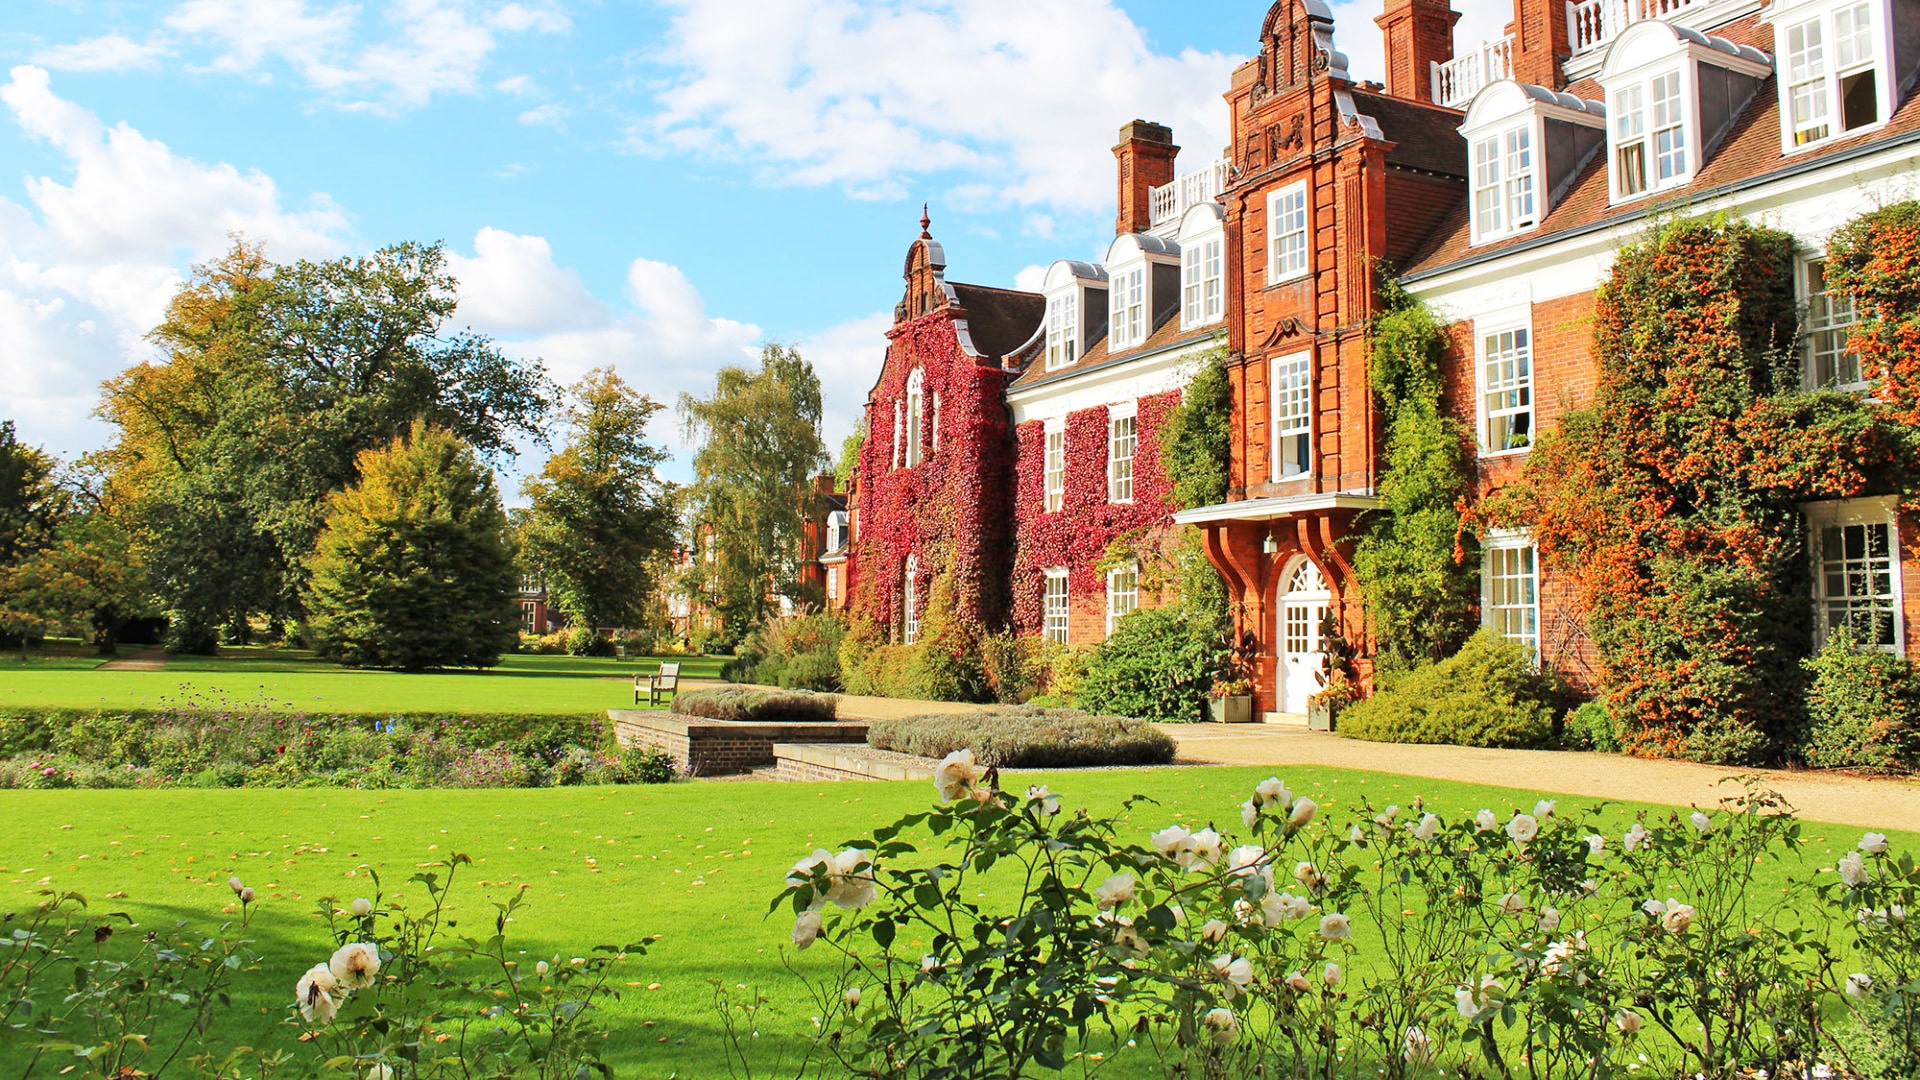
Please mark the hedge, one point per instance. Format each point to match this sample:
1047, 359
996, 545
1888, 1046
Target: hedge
764, 706
1490, 693
1027, 736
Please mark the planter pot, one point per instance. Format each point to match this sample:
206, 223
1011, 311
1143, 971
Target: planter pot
1230, 710
1320, 716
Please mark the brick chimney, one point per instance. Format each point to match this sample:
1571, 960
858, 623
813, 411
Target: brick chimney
1419, 35
1146, 154
1540, 42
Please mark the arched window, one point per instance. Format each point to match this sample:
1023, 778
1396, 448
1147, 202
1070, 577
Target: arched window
916, 400
910, 602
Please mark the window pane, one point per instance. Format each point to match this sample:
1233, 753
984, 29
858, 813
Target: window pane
1508, 377
1855, 583
1292, 417
1121, 441
1513, 608
1056, 470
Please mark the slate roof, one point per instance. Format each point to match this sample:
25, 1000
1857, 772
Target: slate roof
1425, 137
1000, 320
1167, 331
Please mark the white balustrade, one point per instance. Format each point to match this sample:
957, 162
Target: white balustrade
1456, 81
1593, 23
1170, 201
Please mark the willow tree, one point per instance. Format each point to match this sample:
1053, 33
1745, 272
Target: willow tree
759, 449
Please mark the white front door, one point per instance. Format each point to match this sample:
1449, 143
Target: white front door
1303, 604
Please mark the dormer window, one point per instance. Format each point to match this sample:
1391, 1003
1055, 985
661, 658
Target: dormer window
1649, 137
1063, 329
1504, 183
1832, 71
1127, 325
1203, 266
1672, 96
1525, 145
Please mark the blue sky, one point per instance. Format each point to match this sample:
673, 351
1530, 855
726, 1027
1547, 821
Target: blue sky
658, 184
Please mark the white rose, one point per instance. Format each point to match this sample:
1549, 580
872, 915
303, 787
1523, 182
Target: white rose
1130, 942
1859, 985
363, 907
355, 964
1293, 907
1331, 975
235, 883
1355, 834
1114, 891
1678, 918
803, 871
1485, 821
541, 967
851, 997
1247, 859
1654, 908
1249, 813
1309, 875
1897, 914
1701, 822
1549, 920
1171, 842
1221, 1025
1544, 808
806, 928
1297, 980
1419, 1048
1475, 1001
1853, 869
1336, 927
1596, 844
929, 963
1385, 817
1273, 910
1303, 811
853, 882
1428, 828
1513, 903
1627, 1021
1214, 932
1523, 828
1049, 802
319, 995
1636, 838
246, 894
1235, 971
956, 774
1874, 843
1207, 849
1271, 792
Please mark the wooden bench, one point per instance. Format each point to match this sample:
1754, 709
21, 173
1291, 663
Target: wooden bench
667, 681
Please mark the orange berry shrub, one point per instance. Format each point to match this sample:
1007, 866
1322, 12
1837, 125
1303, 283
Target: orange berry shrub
1672, 502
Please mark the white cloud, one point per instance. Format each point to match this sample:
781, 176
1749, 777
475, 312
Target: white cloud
512, 286
847, 358
88, 264
111, 52
1030, 278
1023, 96
520, 18
548, 115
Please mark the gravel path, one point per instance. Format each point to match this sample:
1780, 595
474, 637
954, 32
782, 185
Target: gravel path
1847, 800
144, 660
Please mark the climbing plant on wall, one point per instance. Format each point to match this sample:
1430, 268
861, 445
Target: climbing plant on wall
1672, 502
1421, 592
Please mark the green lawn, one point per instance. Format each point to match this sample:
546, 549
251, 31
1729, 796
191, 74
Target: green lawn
693, 862
294, 680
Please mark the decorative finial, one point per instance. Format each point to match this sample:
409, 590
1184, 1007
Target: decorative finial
926, 222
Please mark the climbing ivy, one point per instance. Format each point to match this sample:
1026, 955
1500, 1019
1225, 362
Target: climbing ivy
1421, 590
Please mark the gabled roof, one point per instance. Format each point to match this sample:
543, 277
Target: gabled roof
1749, 155
1002, 322
1167, 332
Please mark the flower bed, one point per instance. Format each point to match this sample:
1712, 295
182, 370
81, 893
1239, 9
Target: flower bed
253, 746
1027, 737
1393, 943
758, 706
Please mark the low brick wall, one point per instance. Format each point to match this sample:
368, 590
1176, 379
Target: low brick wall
815, 762
722, 747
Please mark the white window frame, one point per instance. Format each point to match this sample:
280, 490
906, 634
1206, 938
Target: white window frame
1506, 166
1056, 607
1811, 78
1063, 329
833, 583
1520, 331
1639, 116
1288, 247
1829, 319
1123, 434
1054, 482
1842, 515
1290, 415
935, 425
899, 434
1123, 594
1203, 280
910, 601
1497, 606
916, 416
1127, 309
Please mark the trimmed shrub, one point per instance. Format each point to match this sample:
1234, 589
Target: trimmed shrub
1026, 736
1591, 727
763, 706
586, 641
1157, 666
1487, 694
1863, 709
801, 652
